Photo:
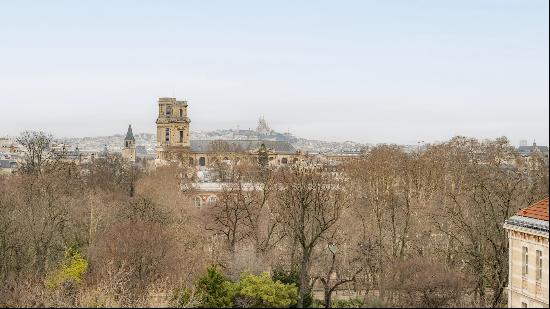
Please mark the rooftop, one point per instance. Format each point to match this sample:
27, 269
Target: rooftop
533, 219
527, 224
538, 210
280, 147
171, 100
532, 148
5, 163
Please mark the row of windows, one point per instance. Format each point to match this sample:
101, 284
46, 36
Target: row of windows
167, 135
210, 201
525, 263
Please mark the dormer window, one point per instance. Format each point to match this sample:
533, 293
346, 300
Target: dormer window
181, 112
168, 110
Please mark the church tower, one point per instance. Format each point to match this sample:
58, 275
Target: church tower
172, 128
129, 150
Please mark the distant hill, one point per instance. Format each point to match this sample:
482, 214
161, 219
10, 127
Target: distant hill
115, 142
262, 132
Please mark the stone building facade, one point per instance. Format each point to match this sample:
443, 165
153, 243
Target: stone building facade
173, 142
528, 257
172, 128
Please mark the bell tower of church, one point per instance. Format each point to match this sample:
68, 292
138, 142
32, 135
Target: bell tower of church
172, 128
129, 149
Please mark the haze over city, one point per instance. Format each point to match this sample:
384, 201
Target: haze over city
367, 71
274, 154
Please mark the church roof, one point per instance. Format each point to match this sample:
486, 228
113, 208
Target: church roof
526, 149
280, 147
129, 134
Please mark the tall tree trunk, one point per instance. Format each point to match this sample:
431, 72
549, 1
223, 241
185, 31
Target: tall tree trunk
328, 295
304, 278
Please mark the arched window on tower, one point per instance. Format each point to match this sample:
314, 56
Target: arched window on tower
181, 112
168, 110
167, 135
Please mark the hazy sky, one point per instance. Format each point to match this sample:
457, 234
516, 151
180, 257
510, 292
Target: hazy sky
368, 71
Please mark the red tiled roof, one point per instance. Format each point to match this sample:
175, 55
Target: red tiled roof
539, 210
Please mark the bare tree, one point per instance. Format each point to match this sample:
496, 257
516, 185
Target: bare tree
113, 172
244, 211
227, 216
485, 186
311, 204
418, 282
338, 274
384, 194
262, 216
37, 153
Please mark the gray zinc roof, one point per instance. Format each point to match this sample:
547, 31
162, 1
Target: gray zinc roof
525, 149
8, 164
530, 223
281, 147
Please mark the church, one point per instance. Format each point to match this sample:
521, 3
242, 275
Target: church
173, 142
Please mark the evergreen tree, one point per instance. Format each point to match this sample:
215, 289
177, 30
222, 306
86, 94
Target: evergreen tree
263, 158
215, 290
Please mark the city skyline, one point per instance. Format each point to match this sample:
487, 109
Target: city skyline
369, 72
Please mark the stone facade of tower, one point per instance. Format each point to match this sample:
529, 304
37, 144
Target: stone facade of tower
172, 128
129, 149
173, 142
